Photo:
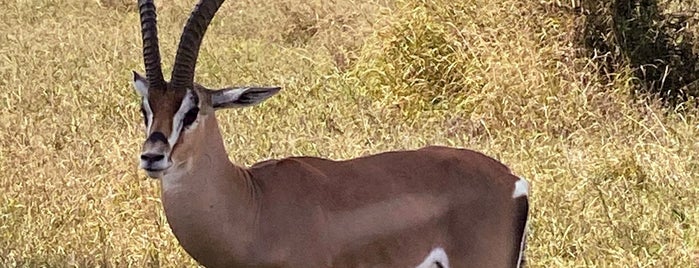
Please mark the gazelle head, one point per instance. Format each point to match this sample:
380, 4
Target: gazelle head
179, 113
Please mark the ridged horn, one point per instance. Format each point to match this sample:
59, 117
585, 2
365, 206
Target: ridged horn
190, 41
151, 52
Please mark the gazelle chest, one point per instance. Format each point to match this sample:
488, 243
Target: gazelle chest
207, 222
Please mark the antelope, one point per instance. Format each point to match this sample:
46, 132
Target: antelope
430, 207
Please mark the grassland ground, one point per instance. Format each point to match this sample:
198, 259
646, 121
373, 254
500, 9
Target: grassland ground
614, 178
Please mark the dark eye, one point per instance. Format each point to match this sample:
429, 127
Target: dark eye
190, 116
145, 118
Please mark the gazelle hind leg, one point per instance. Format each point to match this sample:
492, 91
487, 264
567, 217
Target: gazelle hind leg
436, 259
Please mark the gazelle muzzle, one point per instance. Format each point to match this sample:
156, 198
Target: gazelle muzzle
155, 156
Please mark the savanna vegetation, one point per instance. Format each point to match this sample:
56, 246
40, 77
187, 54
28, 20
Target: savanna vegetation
593, 102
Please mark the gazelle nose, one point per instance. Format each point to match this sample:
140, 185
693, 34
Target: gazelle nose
151, 157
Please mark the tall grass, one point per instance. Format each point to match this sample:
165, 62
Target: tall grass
614, 178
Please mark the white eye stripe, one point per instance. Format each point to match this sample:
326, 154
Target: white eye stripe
149, 114
188, 103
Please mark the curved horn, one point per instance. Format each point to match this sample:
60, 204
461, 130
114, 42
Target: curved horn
151, 52
188, 49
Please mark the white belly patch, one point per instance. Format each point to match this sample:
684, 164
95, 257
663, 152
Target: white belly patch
436, 259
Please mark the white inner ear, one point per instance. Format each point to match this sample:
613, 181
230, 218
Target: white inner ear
188, 102
225, 96
141, 87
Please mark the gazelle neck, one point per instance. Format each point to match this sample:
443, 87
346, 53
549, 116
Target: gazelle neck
208, 200
201, 159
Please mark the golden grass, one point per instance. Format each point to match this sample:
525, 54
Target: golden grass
614, 180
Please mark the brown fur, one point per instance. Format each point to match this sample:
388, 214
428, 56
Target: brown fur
164, 105
385, 210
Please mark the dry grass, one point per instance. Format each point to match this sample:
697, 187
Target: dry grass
614, 180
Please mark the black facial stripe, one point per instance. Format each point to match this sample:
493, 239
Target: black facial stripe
157, 136
190, 117
145, 116
195, 98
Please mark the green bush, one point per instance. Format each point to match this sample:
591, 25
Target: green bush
645, 35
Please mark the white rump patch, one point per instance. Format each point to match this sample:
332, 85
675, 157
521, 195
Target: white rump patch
437, 259
521, 188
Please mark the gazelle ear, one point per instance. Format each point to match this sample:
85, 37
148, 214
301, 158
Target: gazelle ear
235, 97
140, 84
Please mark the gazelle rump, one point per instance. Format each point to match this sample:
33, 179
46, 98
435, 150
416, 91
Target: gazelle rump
431, 207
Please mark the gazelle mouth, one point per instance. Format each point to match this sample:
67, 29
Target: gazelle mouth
155, 169
154, 173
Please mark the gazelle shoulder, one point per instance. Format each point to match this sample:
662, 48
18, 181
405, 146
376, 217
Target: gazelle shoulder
290, 168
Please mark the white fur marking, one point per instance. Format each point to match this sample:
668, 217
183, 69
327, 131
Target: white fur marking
141, 87
187, 103
437, 255
521, 188
149, 113
226, 96
521, 248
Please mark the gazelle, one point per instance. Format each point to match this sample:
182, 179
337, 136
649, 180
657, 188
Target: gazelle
432, 207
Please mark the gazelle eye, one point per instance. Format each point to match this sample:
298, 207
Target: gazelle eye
190, 116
